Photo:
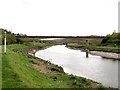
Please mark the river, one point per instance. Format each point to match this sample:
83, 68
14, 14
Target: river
75, 62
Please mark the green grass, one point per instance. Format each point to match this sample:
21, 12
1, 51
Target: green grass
18, 72
95, 47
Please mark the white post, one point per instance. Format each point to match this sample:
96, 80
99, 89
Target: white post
5, 44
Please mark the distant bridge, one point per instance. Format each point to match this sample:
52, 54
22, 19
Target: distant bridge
86, 37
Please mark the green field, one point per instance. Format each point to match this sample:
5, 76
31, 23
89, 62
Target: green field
18, 71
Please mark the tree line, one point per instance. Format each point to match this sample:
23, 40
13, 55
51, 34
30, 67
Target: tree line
111, 39
11, 37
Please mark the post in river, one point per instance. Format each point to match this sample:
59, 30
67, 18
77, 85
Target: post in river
5, 43
87, 50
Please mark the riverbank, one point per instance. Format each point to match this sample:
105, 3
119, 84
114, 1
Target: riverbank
21, 70
106, 54
100, 51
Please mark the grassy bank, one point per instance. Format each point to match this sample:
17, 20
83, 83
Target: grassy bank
20, 70
114, 49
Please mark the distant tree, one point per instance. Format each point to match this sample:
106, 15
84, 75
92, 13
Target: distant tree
113, 39
10, 37
19, 41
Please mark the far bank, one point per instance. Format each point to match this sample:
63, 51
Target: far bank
103, 51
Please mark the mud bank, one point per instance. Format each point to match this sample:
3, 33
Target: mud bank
106, 54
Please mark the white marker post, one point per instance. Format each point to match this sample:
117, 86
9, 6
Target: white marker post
119, 55
5, 44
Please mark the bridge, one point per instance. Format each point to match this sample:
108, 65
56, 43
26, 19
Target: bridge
85, 37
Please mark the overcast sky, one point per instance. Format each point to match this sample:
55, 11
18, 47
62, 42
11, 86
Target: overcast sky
59, 17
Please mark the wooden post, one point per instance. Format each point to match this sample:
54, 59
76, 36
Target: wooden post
5, 43
87, 53
87, 50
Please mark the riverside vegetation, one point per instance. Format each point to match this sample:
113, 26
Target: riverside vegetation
111, 43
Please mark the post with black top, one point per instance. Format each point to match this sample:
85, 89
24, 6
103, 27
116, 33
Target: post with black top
87, 50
